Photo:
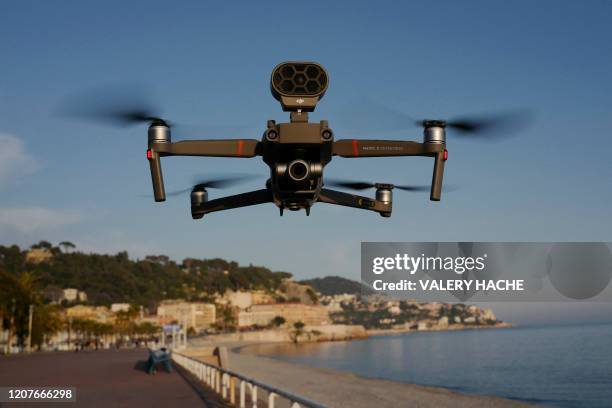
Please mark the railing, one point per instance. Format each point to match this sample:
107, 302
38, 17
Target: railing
223, 382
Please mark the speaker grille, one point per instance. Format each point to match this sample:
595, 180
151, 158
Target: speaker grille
299, 79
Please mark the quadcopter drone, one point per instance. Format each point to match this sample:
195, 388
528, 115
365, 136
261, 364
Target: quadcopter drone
298, 151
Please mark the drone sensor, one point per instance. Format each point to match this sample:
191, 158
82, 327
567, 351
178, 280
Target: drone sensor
298, 86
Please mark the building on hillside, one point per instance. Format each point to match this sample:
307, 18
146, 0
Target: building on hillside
262, 315
244, 300
196, 315
53, 294
98, 313
335, 303
239, 299
71, 294
38, 255
120, 307
262, 297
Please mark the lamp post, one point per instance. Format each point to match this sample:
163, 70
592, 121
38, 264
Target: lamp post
31, 312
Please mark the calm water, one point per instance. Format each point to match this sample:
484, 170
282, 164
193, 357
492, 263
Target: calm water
568, 366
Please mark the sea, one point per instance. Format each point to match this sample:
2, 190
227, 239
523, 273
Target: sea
558, 366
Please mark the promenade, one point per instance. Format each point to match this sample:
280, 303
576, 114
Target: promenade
105, 378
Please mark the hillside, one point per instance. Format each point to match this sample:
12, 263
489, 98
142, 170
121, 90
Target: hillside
336, 285
116, 278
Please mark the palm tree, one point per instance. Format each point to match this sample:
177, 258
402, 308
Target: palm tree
22, 294
46, 321
17, 294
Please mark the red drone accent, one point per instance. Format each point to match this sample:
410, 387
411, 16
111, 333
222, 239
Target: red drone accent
445, 154
149, 154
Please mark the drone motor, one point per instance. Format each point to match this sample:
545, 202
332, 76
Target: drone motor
434, 131
199, 196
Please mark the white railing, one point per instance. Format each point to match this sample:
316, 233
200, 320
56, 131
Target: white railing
223, 382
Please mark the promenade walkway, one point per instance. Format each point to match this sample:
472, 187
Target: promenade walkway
105, 378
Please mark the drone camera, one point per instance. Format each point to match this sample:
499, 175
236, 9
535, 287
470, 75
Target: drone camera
299, 170
298, 86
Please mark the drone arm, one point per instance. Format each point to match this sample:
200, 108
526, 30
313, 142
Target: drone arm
236, 201
380, 148
386, 148
211, 148
355, 201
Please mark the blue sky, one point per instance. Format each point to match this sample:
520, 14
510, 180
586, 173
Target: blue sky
209, 63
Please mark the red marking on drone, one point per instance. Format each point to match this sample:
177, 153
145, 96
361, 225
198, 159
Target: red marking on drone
445, 154
149, 154
240, 147
355, 150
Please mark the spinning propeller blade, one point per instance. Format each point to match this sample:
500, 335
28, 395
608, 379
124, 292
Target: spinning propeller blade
222, 182
132, 105
368, 116
364, 185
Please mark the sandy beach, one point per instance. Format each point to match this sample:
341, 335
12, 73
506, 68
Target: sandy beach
342, 389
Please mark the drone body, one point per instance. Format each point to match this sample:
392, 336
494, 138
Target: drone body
296, 153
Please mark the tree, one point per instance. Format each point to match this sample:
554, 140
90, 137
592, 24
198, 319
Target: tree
147, 330
227, 318
42, 245
67, 246
17, 294
124, 320
298, 331
312, 296
46, 321
278, 321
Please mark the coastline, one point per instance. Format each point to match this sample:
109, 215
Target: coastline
453, 327
336, 388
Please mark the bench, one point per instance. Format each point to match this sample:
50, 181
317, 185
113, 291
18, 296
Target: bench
158, 357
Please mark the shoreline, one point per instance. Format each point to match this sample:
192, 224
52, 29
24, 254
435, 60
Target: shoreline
337, 388
453, 327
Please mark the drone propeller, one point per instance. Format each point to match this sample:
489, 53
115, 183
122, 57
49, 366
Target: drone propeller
362, 185
131, 105
370, 116
222, 182
491, 127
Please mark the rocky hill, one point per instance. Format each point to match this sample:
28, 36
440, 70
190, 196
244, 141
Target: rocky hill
336, 285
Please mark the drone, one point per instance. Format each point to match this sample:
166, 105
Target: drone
298, 151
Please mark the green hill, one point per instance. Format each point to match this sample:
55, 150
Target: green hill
117, 278
336, 285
